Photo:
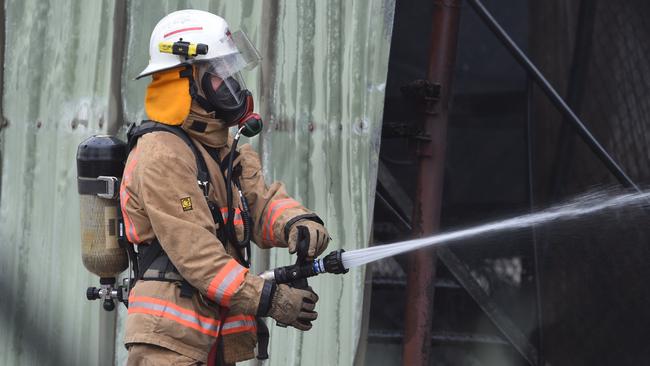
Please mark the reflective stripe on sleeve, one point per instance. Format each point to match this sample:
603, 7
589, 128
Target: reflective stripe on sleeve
226, 282
238, 324
274, 211
171, 311
131, 234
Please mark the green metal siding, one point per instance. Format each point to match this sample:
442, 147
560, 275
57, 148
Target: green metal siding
325, 107
320, 90
56, 87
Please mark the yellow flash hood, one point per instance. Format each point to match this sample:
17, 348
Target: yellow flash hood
168, 97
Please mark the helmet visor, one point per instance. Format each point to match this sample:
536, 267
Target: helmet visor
246, 57
249, 53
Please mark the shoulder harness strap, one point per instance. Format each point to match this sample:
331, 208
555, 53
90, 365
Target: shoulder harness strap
204, 103
135, 132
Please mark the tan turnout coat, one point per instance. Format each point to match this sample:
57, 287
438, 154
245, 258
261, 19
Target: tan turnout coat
161, 199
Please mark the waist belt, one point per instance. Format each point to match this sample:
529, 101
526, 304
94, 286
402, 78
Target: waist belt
160, 271
155, 265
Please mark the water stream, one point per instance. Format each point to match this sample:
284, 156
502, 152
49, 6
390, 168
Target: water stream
581, 206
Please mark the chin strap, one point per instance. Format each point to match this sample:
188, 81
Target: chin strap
194, 91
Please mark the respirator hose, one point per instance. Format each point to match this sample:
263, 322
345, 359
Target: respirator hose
230, 226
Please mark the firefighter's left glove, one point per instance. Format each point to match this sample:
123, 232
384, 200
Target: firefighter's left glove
318, 238
288, 305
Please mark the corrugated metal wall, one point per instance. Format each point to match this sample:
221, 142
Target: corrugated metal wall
57, 71
320, 90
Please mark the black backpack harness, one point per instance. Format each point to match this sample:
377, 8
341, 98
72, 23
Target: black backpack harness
153, 262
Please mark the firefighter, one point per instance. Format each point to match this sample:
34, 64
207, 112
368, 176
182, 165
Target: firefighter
195, 285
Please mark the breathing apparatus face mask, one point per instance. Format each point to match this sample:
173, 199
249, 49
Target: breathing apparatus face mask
221, 82
229, 98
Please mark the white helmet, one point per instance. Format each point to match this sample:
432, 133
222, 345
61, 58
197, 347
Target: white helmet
228, 53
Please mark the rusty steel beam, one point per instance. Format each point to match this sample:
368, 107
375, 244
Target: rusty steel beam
431, 160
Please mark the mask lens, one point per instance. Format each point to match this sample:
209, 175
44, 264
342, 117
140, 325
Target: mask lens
229, 93
215, 82
227, 96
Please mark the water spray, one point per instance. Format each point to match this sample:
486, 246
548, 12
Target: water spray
340, 261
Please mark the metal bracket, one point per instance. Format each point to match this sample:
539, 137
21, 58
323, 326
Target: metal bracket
405, 129
423, 92
112, 184
203, 184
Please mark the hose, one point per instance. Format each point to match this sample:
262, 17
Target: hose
230, 224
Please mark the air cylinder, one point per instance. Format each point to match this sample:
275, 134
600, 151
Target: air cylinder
100, 164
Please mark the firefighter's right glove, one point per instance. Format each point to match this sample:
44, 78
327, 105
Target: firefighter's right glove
316, 235
292, 306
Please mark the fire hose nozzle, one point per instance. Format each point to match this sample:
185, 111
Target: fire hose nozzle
331, 263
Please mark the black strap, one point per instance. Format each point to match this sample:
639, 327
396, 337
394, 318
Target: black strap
147, 254
187, 291
289, 224
124, 243
153, 256
227, 232
194, 92
223, 163
198, 126
262, 339
214, 153
266, 298
220, 361
93, 186
217, 217
162, 269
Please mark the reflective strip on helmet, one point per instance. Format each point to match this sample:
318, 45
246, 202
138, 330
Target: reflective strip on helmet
274, 211
238, 324
182, 30
238, 219
171, 311
224, 284
131, 234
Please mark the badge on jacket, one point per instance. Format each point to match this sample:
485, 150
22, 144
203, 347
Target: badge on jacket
186, 203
